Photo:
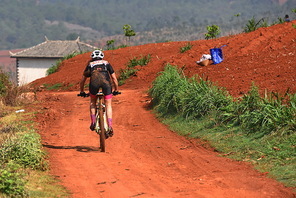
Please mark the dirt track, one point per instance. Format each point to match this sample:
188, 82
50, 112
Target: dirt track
143, 158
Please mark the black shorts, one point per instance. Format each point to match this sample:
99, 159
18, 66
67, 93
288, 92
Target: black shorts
105, 88
100, 82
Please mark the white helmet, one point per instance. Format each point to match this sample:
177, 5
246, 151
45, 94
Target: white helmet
97, 54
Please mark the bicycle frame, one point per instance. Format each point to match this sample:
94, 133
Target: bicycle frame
101, 120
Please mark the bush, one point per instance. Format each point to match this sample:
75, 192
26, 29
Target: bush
142, 61
187, 47
9, 92
125, 74
12, 181
4, 83
213, 32
130, 70
253, 25
25, 149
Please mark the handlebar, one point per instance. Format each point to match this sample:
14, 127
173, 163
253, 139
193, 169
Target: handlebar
116, 93
83, 94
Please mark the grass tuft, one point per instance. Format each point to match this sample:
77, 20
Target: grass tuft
130, 69
185, 48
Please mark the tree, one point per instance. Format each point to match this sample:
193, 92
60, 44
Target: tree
213, 31
110, 44
128, 32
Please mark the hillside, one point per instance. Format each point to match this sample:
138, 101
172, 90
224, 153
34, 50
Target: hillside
265, 57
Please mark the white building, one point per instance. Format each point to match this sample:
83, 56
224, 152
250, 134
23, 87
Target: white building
32, 63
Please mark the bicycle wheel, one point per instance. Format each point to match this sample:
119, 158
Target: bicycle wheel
102, 130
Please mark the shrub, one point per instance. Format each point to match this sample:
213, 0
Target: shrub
130, 70
128, 32
213, 32
187, 47
10, 92
110, 44
54, 68
25, 149
253, 25
142, 61
125, 74
12, 182
4, 83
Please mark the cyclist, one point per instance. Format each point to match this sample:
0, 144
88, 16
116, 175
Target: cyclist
101, 76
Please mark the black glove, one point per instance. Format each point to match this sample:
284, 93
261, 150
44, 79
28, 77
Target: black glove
116, 93
82, 94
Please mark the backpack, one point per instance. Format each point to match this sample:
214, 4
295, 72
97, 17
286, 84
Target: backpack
217, 55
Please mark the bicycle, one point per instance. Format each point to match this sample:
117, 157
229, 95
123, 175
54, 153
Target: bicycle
101, 126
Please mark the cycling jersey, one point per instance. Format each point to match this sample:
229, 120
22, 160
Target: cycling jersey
99, 72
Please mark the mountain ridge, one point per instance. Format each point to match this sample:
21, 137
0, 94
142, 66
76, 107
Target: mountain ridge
25, 24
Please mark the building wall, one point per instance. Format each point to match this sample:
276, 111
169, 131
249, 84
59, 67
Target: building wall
30, 69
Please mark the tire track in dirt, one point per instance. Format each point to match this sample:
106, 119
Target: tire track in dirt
143, 158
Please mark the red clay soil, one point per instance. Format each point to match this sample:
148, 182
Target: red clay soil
144, 158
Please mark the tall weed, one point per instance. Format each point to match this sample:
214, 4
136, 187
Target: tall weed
142, 61
172, 92
253, 24
202, 98
168, 88
25, 149
263, 116
185, 48
12, 182
9, 92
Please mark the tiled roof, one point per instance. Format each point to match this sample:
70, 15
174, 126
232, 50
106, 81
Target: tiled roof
54, 49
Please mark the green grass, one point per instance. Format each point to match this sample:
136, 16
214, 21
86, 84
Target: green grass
260, 130
125, 74
185, 48
53, 87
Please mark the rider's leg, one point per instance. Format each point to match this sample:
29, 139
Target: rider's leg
108, 103
92, 108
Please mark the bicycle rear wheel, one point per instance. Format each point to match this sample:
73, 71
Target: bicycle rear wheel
102, 131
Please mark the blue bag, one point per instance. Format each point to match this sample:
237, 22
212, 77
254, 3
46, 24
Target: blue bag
217, 55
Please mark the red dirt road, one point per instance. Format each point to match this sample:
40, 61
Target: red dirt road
143, 159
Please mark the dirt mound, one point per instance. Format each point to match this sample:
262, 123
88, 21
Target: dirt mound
266, 57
